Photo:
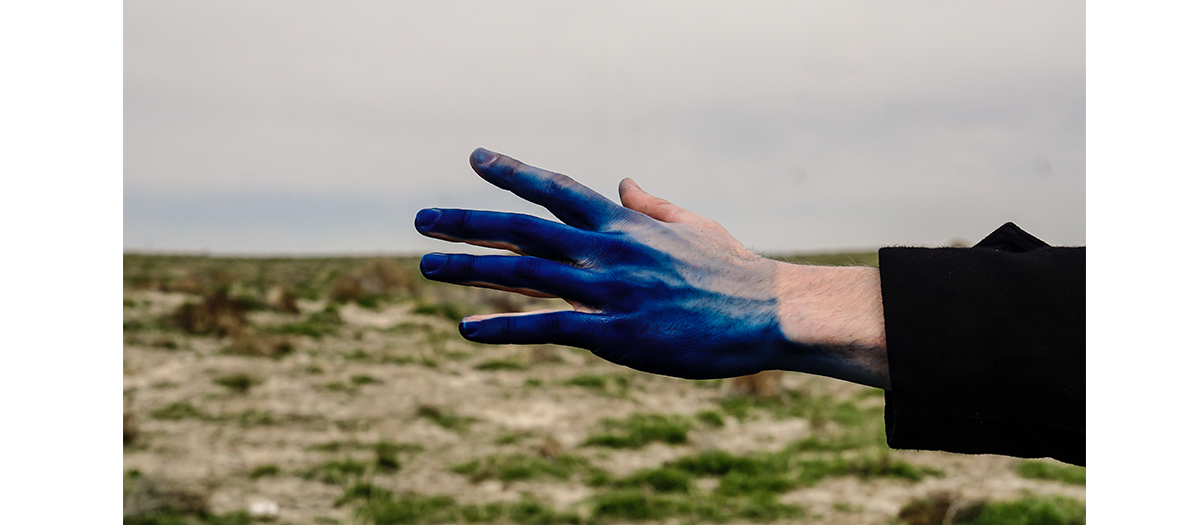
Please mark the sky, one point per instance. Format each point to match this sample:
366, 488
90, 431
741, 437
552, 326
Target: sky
300, 127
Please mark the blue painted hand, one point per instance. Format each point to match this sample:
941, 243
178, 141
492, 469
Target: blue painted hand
653, 286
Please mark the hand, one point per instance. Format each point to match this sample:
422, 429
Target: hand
653, 286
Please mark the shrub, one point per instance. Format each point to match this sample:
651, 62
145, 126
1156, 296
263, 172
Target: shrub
216, 314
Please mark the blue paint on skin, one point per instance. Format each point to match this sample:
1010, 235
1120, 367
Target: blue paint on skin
660, 297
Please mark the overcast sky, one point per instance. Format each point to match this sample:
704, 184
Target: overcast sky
323, 127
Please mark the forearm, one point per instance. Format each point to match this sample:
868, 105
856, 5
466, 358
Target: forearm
837, 315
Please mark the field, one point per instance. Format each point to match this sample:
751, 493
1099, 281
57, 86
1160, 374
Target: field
325, 391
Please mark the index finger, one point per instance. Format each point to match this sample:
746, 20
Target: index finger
568, 200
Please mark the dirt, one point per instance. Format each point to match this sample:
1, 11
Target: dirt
428, 364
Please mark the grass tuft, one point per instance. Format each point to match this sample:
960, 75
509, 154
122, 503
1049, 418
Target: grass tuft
945, 507
381, 509
638, 430
178, 411
363, 491
445, 418
1032, 510
607, 384
517, 467
238, 383
260, 471
1069, 474
336, 471
502, 364
364, 379
711, 418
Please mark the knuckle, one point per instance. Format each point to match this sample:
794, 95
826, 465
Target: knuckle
558, 184
553, 324
526, 267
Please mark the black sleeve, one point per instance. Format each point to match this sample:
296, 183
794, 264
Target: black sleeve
987, 347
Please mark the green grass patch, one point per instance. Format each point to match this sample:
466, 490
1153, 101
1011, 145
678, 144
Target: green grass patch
364, 379
316, 326
662, 479
794, 404
385, 509
387, 453
428, 362
785, 470
445, 418
380, 507
238, 383
527, 511
511, 438
178, 411
337, 471
363, 491
1031, 510
607, 384
711, 418
847, 508
639, 430
638, 505
643, 505
134, 325
251, 417
339, 386
357, 355
261, 471
146, 502
1069, 474
410, 327
445, 310
517, 467
336, 446
865, 436
502, 364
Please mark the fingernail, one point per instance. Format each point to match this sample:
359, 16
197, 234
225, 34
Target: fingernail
469, 328
432, 262
482, 157
426, 218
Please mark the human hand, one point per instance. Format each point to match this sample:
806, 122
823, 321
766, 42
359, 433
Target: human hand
653, 286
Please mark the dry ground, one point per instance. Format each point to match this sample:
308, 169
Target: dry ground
238, 431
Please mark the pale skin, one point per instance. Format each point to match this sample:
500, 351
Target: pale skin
656, 287
836, 308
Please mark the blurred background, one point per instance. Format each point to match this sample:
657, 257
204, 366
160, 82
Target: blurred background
301, 127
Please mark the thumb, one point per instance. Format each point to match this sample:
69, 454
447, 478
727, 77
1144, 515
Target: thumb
633, 197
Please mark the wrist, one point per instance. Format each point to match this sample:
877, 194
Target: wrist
836, 315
